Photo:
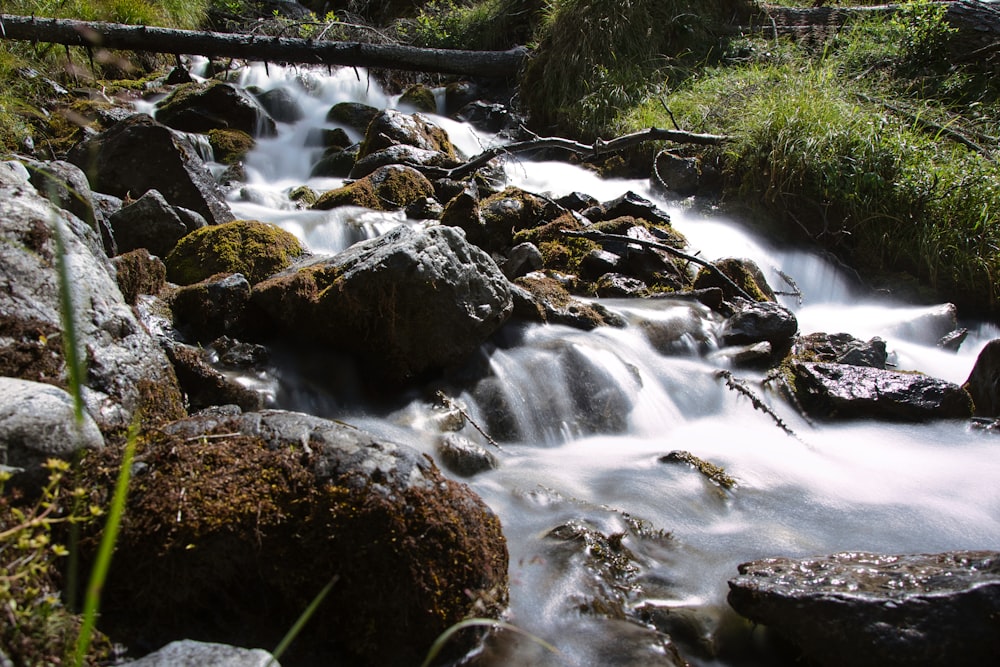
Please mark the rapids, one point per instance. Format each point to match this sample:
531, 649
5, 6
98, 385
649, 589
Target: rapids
589, 414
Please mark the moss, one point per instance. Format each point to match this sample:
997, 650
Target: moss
160, 402
715, 474
559, 252
255, 249
138, 272
420, 97
387, 189
31, 350
743, 272
229, 146
304, 195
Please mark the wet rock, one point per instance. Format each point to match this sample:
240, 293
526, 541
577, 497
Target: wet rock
677, 175
427, 208
234, 353
329, 138
140, 154
760, 321
209, 105
715, 474
863, 609
401, 154
151, 223
335, 163
492, 222
522, 260
679, 327
538, 298
841, 348
459, 93
37, 422
927, 325
407, 302
66, 186
212, 307
983, 383
599, 401
126, 370
489, 117
744, 272
463, 456
354, 115
230, 146
205, 386
190, 653
255, 249
577, 201
391, 127
281, 105
388, 188
138, 272
273, 506
953, 340
841, 391
745, 356
628, 205
420, 97
616, 285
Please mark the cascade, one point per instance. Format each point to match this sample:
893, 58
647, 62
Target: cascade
585, 419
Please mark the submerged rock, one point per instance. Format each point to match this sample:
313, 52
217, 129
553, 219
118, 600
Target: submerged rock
407, 302
843, 391
235, 522
872, 610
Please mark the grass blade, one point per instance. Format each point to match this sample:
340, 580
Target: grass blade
439, 643
304, 617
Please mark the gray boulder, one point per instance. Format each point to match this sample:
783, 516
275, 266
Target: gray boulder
151, 223
871, 610
190, 653
354, 115
126, 370
281, 105
214, 105
407, 302
841, 348
843, 391
37, 422
391, 127
140, 154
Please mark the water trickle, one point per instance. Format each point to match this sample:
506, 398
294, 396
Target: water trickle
585, 419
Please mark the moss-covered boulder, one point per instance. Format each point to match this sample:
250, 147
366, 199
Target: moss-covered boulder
420, 97
540, 298
255, 249
388, 188
138, 272
354, 115
209, 105
395, 127
235, 523
492, 223
743, 272
229, 146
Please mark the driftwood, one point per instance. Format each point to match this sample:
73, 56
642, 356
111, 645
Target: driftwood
596, 149
261, 48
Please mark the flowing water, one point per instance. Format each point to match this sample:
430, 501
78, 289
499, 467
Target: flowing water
602, 534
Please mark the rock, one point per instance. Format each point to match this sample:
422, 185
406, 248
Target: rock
459, 93
390, 127
841, 391
754, 322
743, 272
677, 175
953, 340
420, 97
617, 285
495, 118
401, 154
715, 474
126, 370
212, 307
138, 272
354, 115
389, 188
151, 223
598, 262
230, 146
66, 186
203, 385
840, 348
37, 422
873, 610
538, 298
190, 653
628, 205
255, 249
522, 260
492, 222
210, 105
679, 327
427, 208
983, 383
328, 138
281, 105
139, 154
927, 325
335, 164
463, 456
408, 301
274, 505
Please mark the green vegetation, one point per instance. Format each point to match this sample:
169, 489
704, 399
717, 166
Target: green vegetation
255, 249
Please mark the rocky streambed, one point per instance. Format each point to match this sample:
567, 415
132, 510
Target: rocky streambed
241, 509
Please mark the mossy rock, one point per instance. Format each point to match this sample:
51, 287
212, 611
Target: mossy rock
559, 252
420, 97
388, 188
229, 146
391, 127
255, 249
137, 273
233, 526
743, 272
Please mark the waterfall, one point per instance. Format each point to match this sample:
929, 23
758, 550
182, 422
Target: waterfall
584, 419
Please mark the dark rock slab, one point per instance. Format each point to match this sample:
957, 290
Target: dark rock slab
213, 105
983, 383
151, 223
842, 391
872, 610
754, 322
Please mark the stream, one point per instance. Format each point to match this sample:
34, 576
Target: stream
606, 541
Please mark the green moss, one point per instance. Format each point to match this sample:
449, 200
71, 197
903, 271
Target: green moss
255, 249
712, 472
229, 146
387, 189
420, 97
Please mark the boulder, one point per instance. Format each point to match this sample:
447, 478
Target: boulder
189, 653
401, 154
137, 272
281, 105
37, 422
151, 223
754, 322
873, 610
335, 163
66, 186
230, 146
840, 348
211, 105
139, 154
927, 325
390, 127
354, 115
234, 523
463, 456
212, 307
676, 174
522, 260
408, 301
743, 272
631, 205
983, 383
126, 370
842, 391
388, 188
492, 223
255, 249
419, 97
539, 298
203, 385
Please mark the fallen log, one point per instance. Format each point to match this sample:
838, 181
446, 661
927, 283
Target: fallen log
260, 48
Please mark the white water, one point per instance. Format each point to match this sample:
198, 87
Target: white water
858, 486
